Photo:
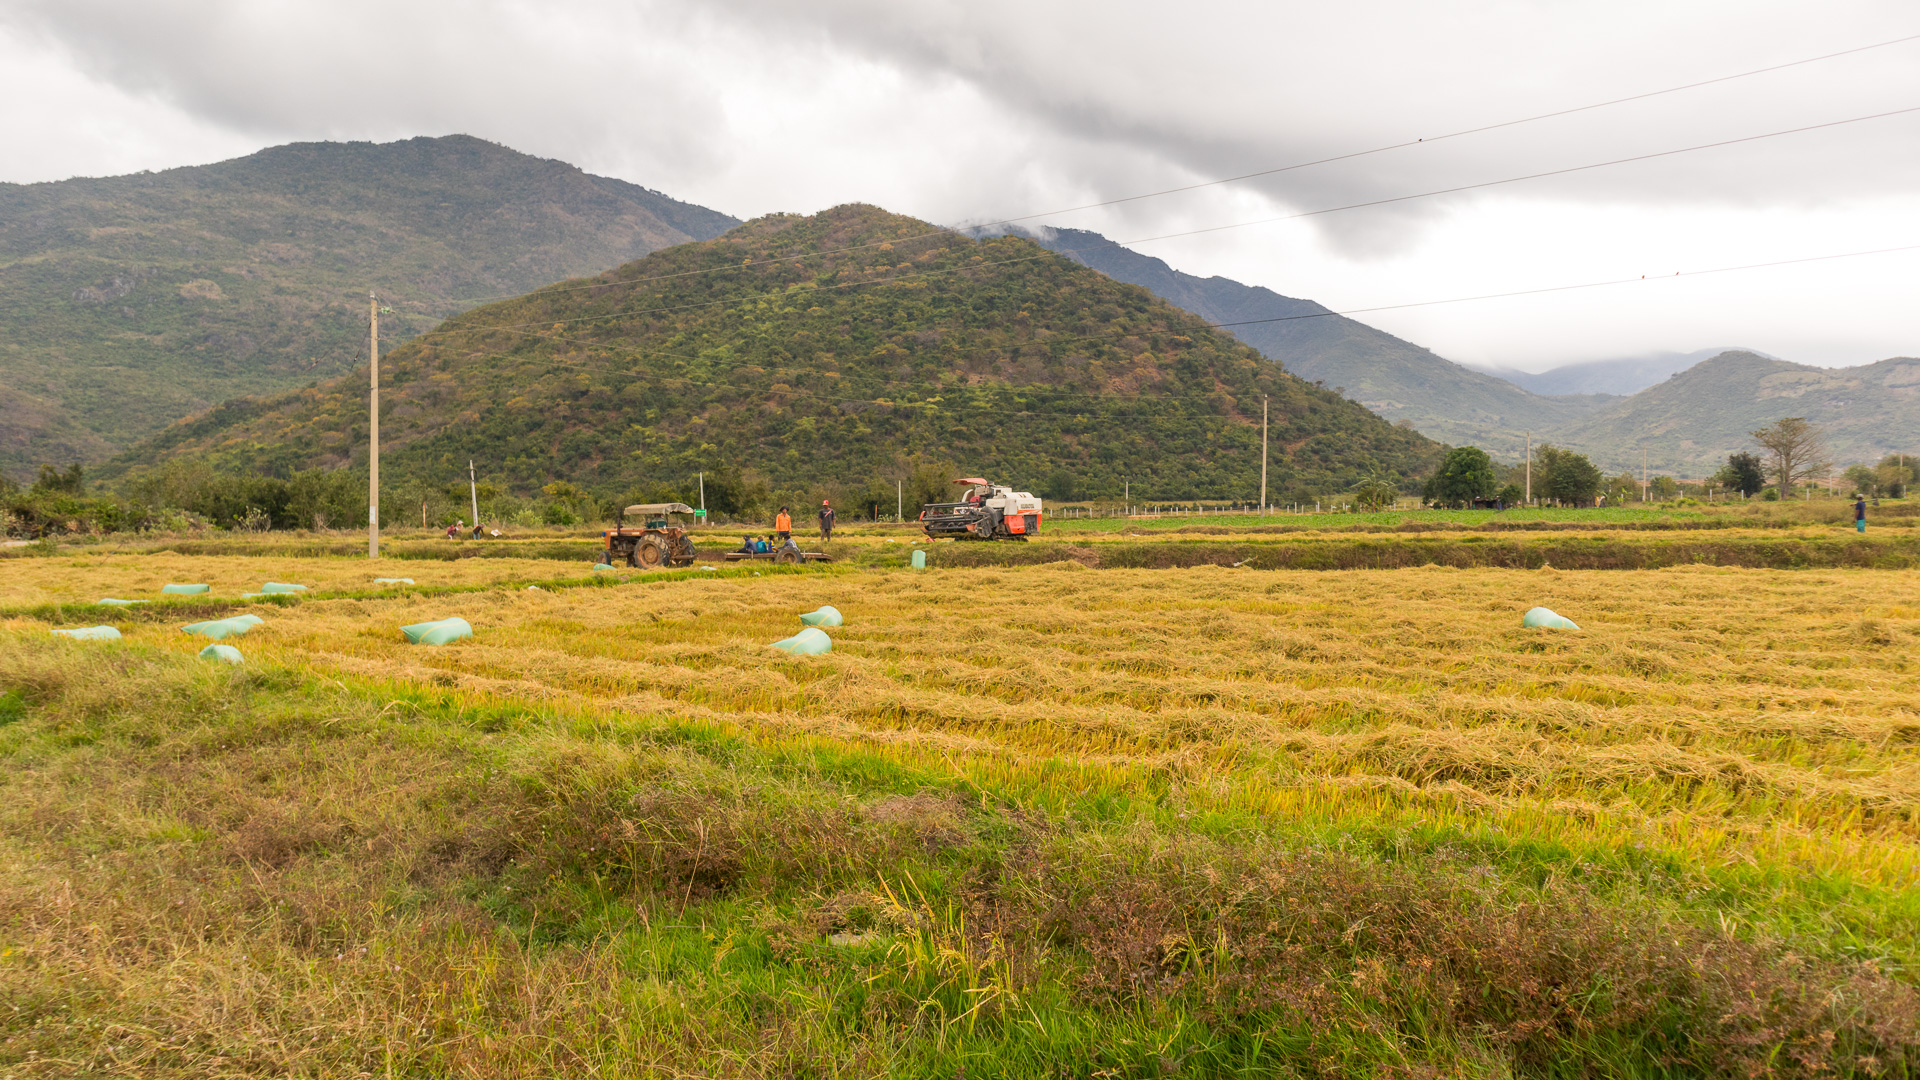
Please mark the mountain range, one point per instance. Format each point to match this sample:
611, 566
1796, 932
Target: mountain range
129, 302
1619, 376
822, 351
1686, 425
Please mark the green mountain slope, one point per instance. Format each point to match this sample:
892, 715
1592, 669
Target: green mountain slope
129, 302
726, 355
1395, 378
1691, 422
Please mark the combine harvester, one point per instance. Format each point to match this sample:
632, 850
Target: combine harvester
985, 511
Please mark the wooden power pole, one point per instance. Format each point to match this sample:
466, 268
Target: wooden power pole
1263, 456
373, 435
1529, 468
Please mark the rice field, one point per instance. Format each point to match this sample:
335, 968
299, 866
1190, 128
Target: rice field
1044, 820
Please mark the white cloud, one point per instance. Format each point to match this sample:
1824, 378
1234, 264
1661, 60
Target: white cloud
991, 108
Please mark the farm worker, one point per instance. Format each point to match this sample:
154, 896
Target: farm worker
453, 530
826, 521
746, 545
1859, 513
783, 524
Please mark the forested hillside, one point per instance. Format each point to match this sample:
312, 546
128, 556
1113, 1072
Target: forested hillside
1395, 378
840, 348
129, 302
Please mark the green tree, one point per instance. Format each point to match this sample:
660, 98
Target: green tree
1896, 473
1375, 491
1664, 488
1864, 479
1742, 473
1569, 477
1512, 495
1465, 474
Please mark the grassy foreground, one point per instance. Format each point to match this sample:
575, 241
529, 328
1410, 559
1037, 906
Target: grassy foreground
1038, 821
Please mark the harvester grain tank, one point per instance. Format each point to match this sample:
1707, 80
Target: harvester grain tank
985, 511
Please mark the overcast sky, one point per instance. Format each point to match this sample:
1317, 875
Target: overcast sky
965, 112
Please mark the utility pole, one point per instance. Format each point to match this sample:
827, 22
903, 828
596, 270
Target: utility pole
1126, 487
1263, 456
373, 435
473, 489
703, 494
1529, 468
900, 500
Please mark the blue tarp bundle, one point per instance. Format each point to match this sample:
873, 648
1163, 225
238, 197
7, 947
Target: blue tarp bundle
90, 633
224, 628
824, 615
443, 632
809, 642
1546, 617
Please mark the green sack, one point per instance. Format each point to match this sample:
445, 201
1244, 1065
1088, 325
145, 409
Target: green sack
443, 632
109, 601
393, 581
1545, 617
602, 566
808, 642
221, 652
90, 633
919, 560
184, 590
824, 615
223, 628
279, 587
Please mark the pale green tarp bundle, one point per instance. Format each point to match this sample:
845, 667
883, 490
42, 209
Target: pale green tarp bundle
809, 642
224, 628
184, 590
221, 652
1545, 617
393, 581
281, 587
919, 560
109, 601
824, 615
443, 632
90, 633
602, 566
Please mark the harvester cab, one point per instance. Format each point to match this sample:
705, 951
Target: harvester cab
660, 538
984, 511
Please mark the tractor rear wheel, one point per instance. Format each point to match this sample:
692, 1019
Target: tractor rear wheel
786, 558
648, 553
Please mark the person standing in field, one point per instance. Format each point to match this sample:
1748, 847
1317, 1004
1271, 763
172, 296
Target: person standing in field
826, 521
1859, 513
783, 524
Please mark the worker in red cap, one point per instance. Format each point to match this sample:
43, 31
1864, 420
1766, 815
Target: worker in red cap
826, 521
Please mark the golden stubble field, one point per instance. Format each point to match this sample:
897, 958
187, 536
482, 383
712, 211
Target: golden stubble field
1725, 715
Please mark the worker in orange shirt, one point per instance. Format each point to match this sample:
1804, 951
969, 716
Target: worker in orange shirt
783, 524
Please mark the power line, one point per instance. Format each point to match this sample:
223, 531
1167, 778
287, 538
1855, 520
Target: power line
1404, 144
1530, 176
789, 290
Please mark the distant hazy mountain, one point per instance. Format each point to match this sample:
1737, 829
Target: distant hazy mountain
1621, 376
1692, 421
131, 301
1397, 379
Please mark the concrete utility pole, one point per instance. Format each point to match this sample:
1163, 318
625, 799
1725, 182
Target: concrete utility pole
473, 489
1529, 468
373, 435
703, 492
1263, 455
